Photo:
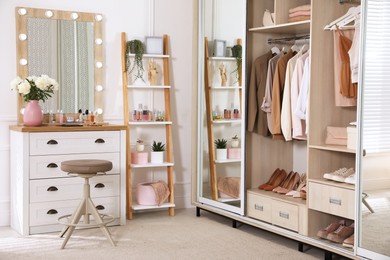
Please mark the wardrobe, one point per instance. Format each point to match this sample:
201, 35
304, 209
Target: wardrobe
326, 201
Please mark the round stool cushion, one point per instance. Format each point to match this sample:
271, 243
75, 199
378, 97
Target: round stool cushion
86, 166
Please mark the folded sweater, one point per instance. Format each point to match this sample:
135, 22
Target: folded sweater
300, 8
299, 13
299, 18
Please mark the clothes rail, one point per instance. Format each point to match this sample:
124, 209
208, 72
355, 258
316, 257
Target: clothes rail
288, 39
349, 1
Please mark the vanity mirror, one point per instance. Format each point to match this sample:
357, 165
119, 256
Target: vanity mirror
221, 107
67, 46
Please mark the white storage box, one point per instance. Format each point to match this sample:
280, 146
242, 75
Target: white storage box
351, 132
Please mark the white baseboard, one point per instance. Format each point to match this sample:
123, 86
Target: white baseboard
4, 214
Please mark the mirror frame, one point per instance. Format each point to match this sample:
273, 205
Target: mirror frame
23, 13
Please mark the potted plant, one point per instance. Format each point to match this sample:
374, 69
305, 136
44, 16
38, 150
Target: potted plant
235, 142
221, 149
135, 47
237, 54
157, 154
140, 145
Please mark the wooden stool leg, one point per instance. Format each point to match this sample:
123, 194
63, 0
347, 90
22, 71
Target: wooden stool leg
93, 211
75, 219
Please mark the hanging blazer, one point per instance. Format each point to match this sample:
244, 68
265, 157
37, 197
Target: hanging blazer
256, 118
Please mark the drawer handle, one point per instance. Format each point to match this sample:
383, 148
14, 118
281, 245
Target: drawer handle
52, 188
52, 165
259, 207
52, 142
99, 141
335, 201
52, 212
99, 185
100, 207
284, 215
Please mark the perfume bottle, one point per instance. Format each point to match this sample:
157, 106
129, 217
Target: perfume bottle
139, 112
145, 114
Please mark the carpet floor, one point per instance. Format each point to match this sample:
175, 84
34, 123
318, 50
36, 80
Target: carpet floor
155, 235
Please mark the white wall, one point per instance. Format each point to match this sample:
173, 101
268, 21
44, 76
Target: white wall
172, 17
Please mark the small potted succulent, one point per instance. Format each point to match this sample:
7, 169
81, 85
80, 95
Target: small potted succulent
157, 154
140, 145
221, 149
235, 142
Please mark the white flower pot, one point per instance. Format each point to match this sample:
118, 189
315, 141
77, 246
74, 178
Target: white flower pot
156, 157
140, 147
234, 143
221, 154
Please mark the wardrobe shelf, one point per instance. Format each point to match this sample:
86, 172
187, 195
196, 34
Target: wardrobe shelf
277, 196
144, 207
302, 27
338, 247
227, 121
333, 183
225, 87
335, 148
151, 165
131, 123
221, 59
146, 87
152, 56
228, 199
228, 161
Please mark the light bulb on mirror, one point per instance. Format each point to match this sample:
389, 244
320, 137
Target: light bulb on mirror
98, 41
22, 11
99, 65
98, 17
99, 111
22, 111
74, 16
22, 37
23, 62
48, 13
99, 88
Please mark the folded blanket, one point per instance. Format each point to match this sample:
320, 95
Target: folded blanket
299, 13
299, 18
229, 185
300, 8
162, 191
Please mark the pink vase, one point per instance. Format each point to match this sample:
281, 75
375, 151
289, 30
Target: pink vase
33, 115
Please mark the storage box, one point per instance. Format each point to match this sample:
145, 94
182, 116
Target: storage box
139, 157
145, 194
351, 131
234, 153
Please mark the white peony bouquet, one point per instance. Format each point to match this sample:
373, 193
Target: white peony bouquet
34, 87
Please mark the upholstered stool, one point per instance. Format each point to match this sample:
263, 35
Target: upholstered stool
85, 169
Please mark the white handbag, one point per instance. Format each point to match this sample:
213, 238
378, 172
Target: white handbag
268, 18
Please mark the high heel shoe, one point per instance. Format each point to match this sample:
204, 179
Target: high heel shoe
284, 183
296, 193
291, 184
271, 180
280, 178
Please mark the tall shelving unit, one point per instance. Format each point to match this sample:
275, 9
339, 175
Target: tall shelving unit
167, 123
211, 122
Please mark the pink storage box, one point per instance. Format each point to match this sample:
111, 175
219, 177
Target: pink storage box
145, 194
234, 153
139, 157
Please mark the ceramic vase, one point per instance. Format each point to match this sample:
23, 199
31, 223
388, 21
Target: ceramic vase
221, 154
33, 115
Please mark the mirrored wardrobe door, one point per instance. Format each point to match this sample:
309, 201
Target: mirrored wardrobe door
374, 125
221, 108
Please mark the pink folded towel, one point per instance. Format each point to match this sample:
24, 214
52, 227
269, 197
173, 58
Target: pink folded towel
300, 8
298, 18
299, 13
162, 191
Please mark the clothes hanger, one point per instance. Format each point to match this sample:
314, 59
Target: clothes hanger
295, 48
304, 48
351, 14
275, 50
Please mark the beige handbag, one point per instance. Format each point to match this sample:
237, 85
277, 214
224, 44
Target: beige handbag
336, 135
268, 18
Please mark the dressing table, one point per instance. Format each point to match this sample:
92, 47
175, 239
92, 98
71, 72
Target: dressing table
40, 191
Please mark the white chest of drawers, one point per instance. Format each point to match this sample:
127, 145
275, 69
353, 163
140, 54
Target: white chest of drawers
41, 192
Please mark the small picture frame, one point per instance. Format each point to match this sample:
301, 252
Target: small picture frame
154, 45
219, 48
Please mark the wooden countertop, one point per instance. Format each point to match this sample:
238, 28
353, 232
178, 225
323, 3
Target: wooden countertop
62, 128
